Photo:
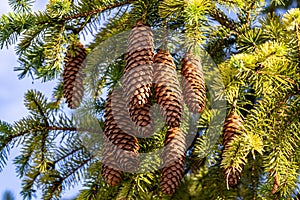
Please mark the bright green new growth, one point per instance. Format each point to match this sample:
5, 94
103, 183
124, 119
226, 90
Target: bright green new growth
257, 52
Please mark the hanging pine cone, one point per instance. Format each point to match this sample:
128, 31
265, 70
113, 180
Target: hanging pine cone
231, 130
143, 119
138, 74
73, 76
276, 184
173, 158
167, 88
122, 117
222, 18
111, 176
121, 113
110, 167
125, 146
193, 83
232, 176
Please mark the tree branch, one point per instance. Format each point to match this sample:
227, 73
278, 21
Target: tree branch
77, 168
68, 154
90, 13
41, 111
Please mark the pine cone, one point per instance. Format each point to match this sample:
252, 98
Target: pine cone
218, 15
122, 116
231, 130
138, 74
173, 160
144, 120
276, 184
110, 167
193, 83
124, 146
167, 88
120, 112
232, 176
111, 176
73, 77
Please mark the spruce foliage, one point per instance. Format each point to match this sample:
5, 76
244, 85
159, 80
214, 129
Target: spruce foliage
257, 51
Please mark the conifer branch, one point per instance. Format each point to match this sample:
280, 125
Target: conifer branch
55, 128
45, 118
82, 163
258, 63
68, 154
251, 7
298, 40
43, 146
89, 13
100, 10
282, 101
49, 128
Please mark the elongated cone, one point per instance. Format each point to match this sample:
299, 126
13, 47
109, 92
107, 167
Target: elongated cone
122, 146
173, 158
276, 184
120, 112
144, 120
138, 74
122, 116
222, 18
231, 130
193, 84
167, 89
110, 167
73, 77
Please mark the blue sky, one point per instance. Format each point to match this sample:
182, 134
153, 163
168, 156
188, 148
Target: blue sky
12, 92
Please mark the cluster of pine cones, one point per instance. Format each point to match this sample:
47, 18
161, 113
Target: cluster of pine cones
147, 77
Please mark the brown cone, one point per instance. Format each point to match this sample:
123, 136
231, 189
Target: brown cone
193, 83
73, 76
123, 146
276, 184
138, 74
110, 169
112, 177
167, 89
173, 158
231, 130
120, 112
122, 116
222, 18
232, 176
144, 120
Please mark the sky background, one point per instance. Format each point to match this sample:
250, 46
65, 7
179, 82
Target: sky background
12, 92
